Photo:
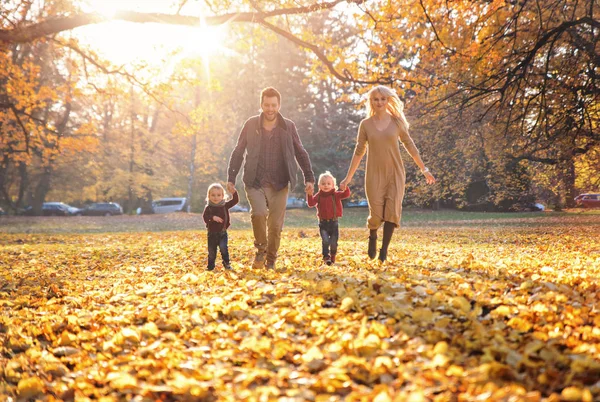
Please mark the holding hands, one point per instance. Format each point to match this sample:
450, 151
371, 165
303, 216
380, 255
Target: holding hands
344, 183
231, 187
309, 188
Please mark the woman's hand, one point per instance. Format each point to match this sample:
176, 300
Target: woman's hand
344, 183
429, 177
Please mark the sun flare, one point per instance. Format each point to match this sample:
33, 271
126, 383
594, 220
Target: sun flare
124, 42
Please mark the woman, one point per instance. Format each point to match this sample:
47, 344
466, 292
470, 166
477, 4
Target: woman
385, 175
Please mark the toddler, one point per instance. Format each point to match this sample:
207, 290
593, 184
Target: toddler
216, 217
329, 208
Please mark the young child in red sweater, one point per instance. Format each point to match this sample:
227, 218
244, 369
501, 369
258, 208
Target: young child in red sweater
216, 217
329, 208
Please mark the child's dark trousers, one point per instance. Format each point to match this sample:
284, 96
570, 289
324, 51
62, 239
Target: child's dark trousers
329, 231
217, 239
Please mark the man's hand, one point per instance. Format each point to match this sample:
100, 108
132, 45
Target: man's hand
217, 219
309, 188
231, 187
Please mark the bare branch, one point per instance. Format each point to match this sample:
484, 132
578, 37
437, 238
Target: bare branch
346, 77
452, 51
183, 3
25, 131
56, 25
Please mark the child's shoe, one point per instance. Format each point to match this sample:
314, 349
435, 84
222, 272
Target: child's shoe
327, 259
333, 258
227, 266
209, 268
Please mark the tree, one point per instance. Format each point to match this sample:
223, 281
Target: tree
40, 120
518, 78
531, 66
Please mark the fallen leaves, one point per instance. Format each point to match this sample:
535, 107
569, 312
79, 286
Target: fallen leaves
473, 314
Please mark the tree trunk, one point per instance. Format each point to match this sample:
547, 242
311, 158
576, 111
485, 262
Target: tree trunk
131, 156
569, 183
192, 170
3, 171
23, 184
41, 190
193, 159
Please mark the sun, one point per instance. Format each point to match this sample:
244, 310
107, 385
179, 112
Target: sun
123, 42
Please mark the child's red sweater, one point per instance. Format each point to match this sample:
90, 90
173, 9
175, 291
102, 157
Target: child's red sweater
324, 202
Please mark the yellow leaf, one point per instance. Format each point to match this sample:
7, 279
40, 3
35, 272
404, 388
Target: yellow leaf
369, 345
130, 335
312, 354
571, 394
422, 314
325, 286
150, 329
29, 388
216, 301
347, 304
67, 339
122, 381
461, 303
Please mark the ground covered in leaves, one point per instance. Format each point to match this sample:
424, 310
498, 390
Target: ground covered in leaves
476, 312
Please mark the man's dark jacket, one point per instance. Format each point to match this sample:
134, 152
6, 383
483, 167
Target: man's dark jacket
251, 136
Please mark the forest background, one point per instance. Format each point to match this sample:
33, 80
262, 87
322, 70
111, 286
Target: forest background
502, 96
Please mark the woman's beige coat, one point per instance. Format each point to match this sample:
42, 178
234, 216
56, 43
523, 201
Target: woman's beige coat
385, 174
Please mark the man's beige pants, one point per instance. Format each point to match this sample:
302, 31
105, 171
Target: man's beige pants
267, 213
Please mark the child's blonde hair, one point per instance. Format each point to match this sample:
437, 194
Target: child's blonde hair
212, 187
328, 174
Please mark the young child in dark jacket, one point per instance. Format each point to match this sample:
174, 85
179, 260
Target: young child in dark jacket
216, 217
329, 208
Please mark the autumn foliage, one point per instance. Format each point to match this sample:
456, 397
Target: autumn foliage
489, 310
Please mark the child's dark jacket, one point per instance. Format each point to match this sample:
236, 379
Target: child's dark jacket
222, 211
324, 203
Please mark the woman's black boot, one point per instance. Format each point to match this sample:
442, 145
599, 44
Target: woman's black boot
372, 243
388, 231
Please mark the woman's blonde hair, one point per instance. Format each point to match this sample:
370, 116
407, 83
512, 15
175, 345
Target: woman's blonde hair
395, 106
328, 174
212, 187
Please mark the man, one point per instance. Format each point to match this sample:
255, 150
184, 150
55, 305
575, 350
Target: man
270, 145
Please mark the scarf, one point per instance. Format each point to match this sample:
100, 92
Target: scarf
221, 204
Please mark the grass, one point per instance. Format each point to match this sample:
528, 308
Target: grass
295, 218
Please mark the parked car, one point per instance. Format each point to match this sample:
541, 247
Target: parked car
295, 202
588, 200
166, 205
529, 207
238, 208
54, 209
357, 203
102, 209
